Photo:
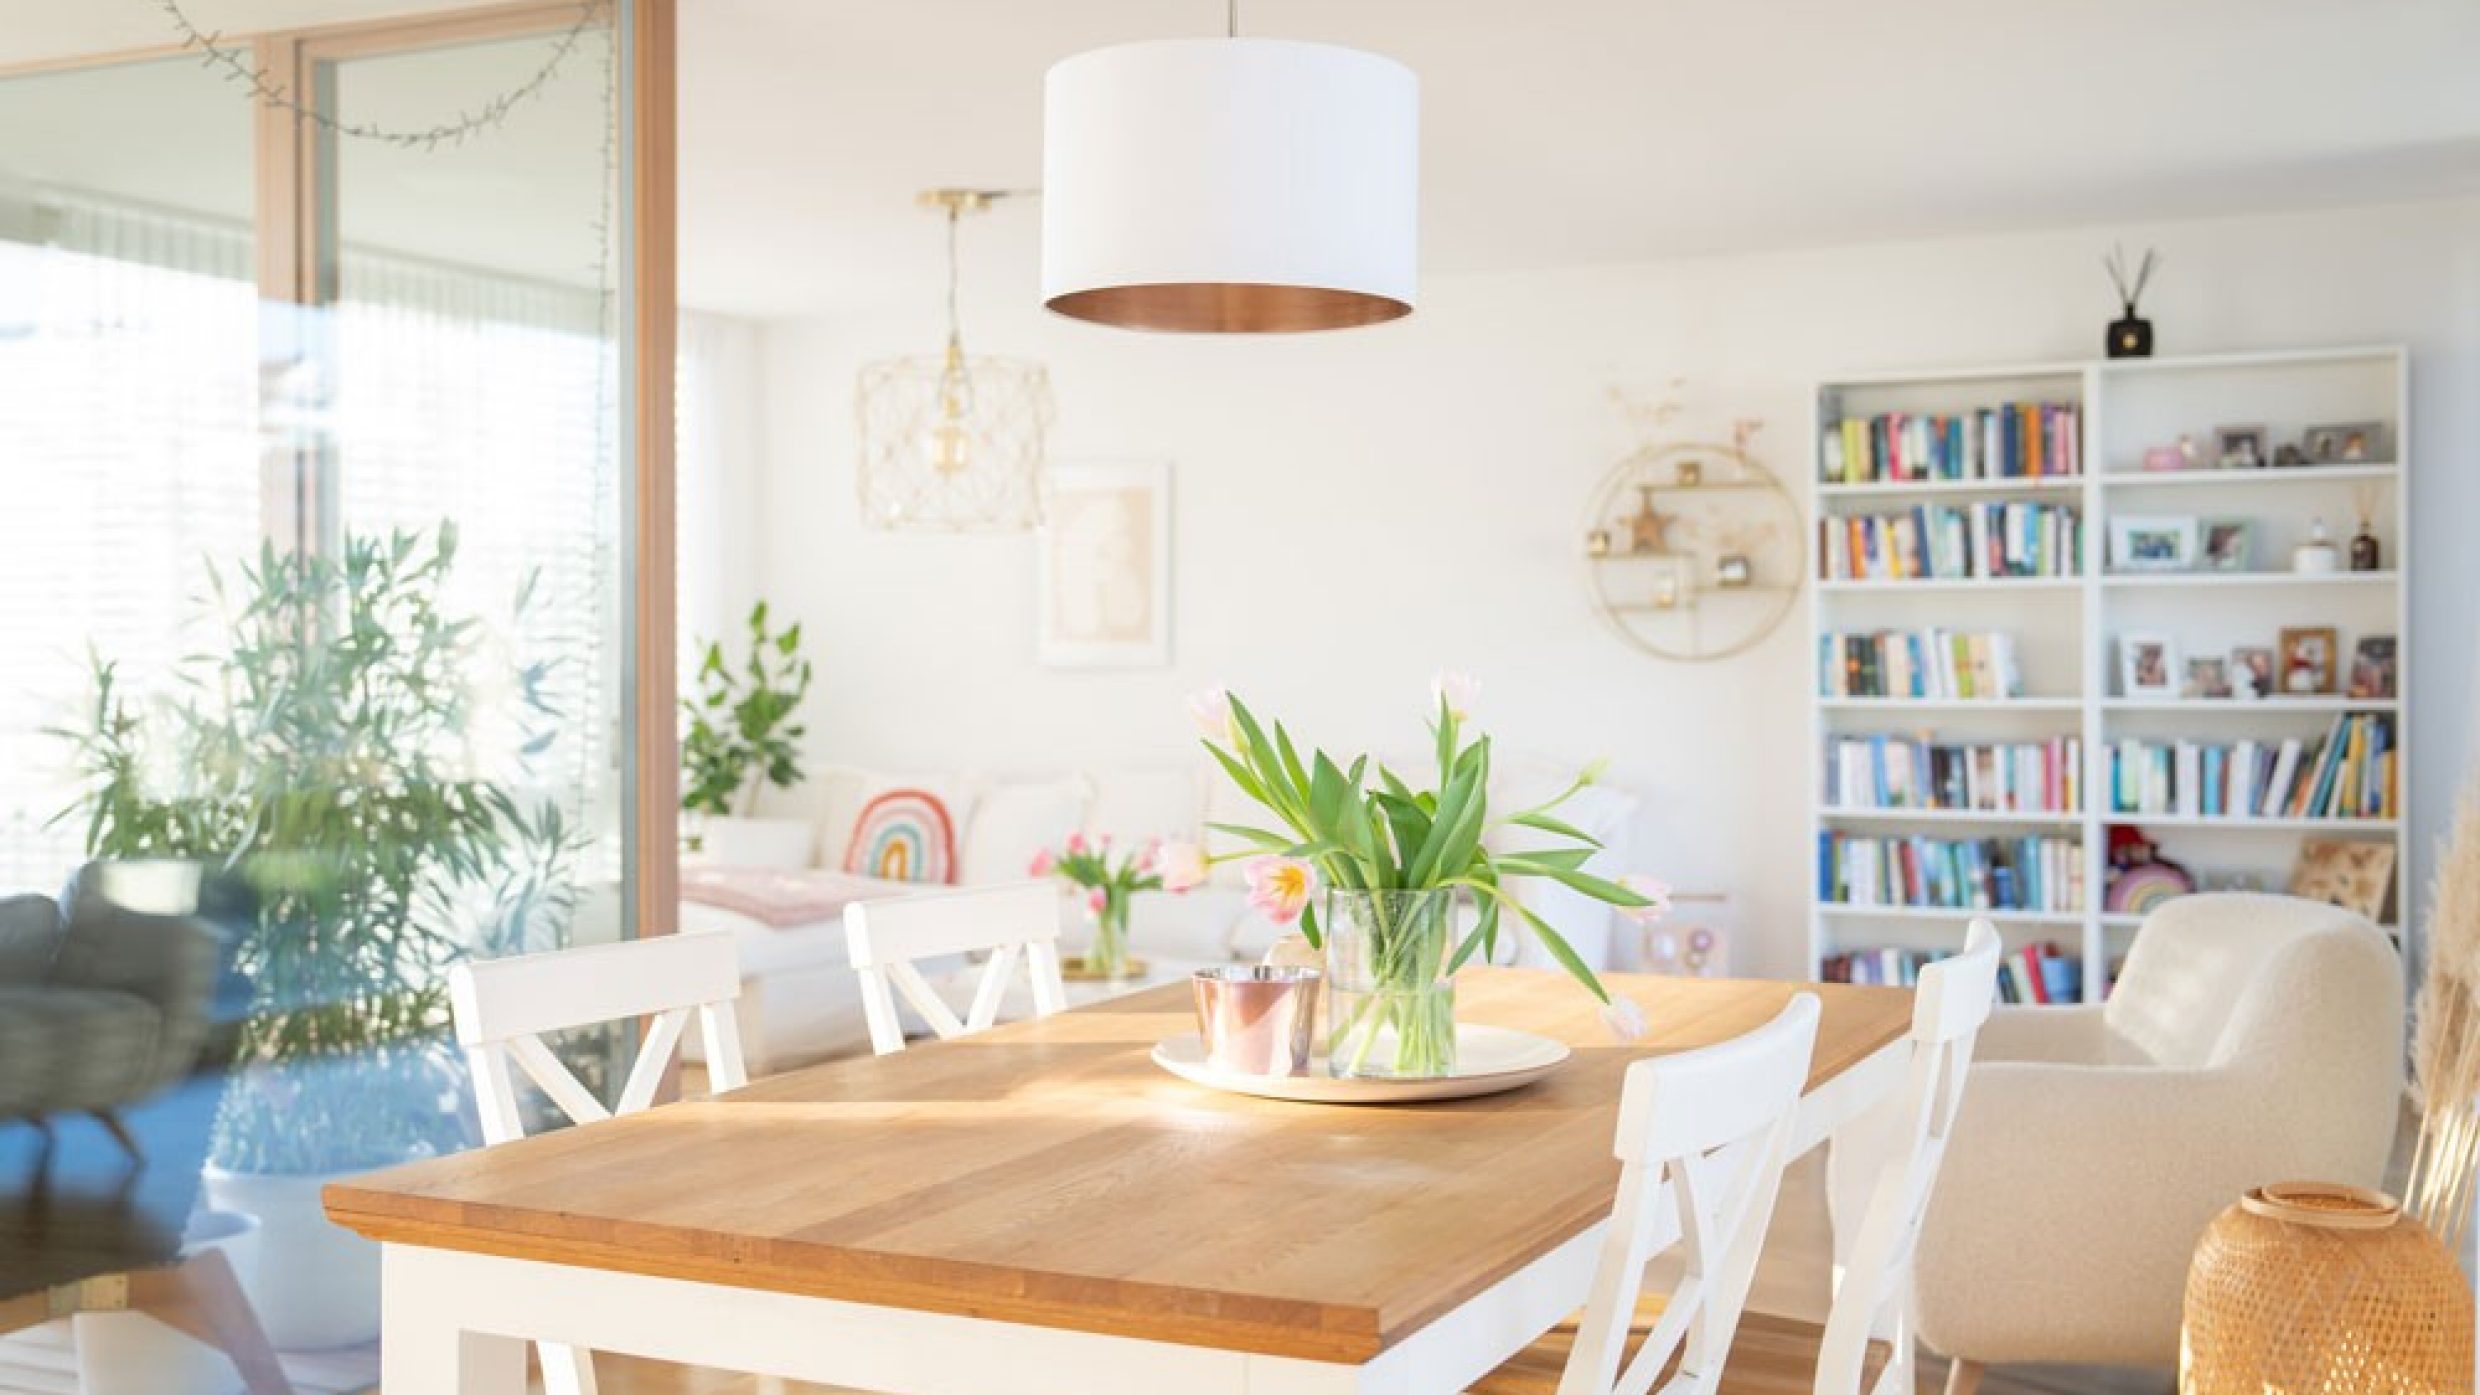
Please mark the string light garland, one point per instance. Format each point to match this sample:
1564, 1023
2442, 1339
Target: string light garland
239, 70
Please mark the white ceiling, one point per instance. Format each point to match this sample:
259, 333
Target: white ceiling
1555, 133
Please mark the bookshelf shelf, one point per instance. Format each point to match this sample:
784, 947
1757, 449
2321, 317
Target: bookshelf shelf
2067, 629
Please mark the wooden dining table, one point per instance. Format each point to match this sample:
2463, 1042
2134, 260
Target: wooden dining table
1039, 1208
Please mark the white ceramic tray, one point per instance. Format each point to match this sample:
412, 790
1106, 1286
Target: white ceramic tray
1487, 1061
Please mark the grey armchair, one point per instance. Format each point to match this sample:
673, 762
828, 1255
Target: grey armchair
100, 1007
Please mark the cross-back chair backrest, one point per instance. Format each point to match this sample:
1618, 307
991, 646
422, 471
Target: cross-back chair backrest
1872, 1295
504, 1008
887, 939
1703, 1136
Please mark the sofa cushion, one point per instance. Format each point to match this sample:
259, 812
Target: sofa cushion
1014, 819
904, 828
74, 1048
29, 936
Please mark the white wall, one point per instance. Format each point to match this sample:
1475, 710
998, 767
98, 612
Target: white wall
1355, 510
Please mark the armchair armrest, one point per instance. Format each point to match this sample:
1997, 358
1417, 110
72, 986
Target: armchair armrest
2074, 1034
29, 934
2070, 1203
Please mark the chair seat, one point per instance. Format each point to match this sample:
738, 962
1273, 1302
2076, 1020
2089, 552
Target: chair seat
1770, 1356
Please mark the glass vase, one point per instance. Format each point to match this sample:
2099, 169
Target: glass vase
1390, 1002
1107, 956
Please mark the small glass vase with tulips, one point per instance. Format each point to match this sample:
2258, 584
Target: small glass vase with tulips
1110, 880
1398, 865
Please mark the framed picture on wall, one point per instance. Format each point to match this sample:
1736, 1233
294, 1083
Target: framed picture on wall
1104, 589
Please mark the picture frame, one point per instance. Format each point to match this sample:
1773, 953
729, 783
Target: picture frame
2148, 666
2242, 447
2208, 677
2153, 543
2227, 545
1103, 584
2345, 872
2308, 659
2347, 443
2252, 671
2373, 667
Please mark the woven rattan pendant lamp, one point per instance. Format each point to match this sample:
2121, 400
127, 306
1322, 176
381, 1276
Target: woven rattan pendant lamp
1230, 185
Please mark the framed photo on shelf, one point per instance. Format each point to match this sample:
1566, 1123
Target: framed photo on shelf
2309, 654
2251, 671
2350, 443
2344, 872
2148, 666
2372, 667
2207, 678
2152, 544
2229, 544
2241, 447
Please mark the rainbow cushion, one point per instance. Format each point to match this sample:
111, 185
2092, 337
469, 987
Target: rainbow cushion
903, 835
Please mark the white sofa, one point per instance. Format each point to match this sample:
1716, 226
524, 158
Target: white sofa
799, 999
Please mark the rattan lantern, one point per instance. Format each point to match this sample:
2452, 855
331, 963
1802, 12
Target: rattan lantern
2311, 1287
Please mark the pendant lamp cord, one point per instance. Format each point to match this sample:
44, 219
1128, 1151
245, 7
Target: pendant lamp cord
1231, 18
955, 323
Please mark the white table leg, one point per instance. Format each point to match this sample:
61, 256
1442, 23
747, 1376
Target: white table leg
422, 1351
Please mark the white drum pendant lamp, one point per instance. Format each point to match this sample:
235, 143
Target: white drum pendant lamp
1230, 186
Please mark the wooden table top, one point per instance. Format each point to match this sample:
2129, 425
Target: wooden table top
1049, 1173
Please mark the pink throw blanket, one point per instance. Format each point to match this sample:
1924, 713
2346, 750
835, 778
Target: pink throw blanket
784, 897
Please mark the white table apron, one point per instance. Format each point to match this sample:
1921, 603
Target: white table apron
457, 1323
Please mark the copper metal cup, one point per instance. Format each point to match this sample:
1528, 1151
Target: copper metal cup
1257, 1019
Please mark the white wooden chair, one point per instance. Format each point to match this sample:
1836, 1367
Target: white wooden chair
887, 939
1703, 1136
504, 1007
1872, 1295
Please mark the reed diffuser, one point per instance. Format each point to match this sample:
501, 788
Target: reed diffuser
2131, 335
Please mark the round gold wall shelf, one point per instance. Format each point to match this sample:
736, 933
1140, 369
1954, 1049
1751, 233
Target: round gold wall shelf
1694, 552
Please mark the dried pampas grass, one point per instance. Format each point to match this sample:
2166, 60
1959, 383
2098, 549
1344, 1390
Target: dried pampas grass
2446, 1044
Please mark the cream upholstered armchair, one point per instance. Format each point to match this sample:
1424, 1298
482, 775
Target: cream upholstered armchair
2251, 1039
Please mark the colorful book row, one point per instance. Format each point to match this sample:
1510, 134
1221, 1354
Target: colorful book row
2349, 773
1951, 542
1945, 665
1892, 772
2015, 440
2043, 874
2035, 974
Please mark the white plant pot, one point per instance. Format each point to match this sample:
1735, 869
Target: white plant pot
130, 1353
316, 1286
727, 841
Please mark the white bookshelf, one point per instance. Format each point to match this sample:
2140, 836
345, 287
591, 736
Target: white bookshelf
2066, 628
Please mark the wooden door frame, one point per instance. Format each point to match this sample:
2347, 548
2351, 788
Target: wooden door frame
287, 161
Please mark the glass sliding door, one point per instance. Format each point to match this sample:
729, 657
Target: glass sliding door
315, 645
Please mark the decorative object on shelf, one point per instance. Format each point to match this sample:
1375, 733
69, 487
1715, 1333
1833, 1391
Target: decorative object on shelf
1694, 943
2288, 454
2207, 678
1714, 551
1104, 583
2140, 543
741, 733
2345, 872
2139, 878
2351, 443
2445, 1052
950, 442
2316, 1288
2148, 666
2251, 671
2164, 459
2131, 335
2309, 656
1394, 863
1111, 880
1230, 185
1597, 542
2229, 544
2372, 667
2240, 447
2366, 555
2318, 555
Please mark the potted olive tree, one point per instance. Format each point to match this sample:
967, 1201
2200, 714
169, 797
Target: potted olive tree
740, 737
322, 769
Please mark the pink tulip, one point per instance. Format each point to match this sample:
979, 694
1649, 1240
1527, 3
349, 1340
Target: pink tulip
1096, 900
1183, 866
1657, 896
1279, 887
1211, 711
1042, 864
1076, 844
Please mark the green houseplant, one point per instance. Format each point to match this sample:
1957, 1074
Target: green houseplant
741, 736
1397, 862
320, 766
